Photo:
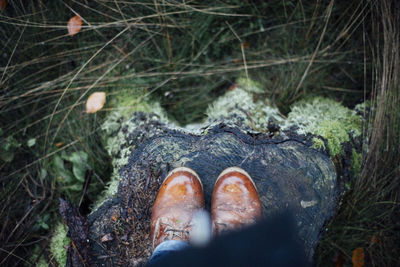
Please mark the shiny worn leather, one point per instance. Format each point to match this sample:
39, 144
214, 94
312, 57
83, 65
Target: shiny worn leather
235, 202
179, 197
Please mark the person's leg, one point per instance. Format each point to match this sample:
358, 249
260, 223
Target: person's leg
165, 248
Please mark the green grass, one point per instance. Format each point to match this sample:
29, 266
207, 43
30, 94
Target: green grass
184, 55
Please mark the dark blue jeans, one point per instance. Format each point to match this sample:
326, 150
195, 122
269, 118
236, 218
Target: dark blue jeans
166, 248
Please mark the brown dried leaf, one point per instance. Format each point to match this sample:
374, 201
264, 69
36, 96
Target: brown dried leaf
74, 25
3, 4
358, 257
95, 102
60, 144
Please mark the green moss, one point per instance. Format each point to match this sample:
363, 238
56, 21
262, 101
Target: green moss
318, 143
356, 159
125, 104
327, 118
334, 133
130, 100
249, 84
58, 244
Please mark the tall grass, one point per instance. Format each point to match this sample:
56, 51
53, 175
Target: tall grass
182, 54
369, 215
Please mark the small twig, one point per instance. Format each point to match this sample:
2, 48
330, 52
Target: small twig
122, 14
77, 252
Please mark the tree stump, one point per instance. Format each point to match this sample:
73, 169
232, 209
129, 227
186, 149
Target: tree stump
292, 170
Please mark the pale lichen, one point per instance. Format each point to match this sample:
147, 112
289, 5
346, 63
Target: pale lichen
318, 143
131, 100
58, 244
327, 118
239, 102
116, 120
318, 116
249, 85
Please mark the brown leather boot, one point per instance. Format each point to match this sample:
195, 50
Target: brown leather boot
235, 202
180, 196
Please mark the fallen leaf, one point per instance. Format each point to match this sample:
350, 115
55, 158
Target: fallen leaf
3, 4
74, 25
358, 257
95, 102
114, 218
60, 144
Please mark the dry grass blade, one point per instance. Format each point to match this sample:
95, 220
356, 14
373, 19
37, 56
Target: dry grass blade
71, 81
328, 15
384, 142
370, 210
